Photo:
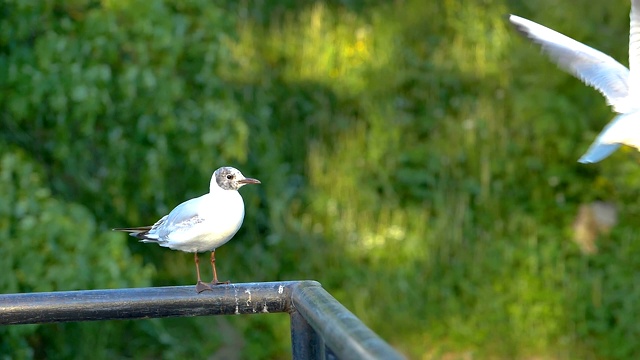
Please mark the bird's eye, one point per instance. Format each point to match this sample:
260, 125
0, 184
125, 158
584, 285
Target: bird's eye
230, 176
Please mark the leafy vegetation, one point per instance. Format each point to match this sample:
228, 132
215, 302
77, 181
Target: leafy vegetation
416, 158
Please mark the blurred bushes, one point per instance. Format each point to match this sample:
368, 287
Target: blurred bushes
419, 159
49, 244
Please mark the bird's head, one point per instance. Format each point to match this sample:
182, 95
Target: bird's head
228, 178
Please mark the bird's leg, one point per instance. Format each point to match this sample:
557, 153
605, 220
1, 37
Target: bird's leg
200, 286
215, 274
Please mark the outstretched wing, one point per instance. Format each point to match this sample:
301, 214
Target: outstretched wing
634, 50
589, 65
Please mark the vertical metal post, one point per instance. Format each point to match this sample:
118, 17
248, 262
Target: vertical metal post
343, 333
306, 344
330, 355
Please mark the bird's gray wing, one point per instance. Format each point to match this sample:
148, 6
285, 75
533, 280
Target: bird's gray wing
181, 218
589, 65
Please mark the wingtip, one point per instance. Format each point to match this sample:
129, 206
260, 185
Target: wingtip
519, 24
592, 157
598, 151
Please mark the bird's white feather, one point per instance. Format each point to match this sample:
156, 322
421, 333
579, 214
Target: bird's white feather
619, 85
588, 64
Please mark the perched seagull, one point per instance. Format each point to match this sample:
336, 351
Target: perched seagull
201, 224
620, 86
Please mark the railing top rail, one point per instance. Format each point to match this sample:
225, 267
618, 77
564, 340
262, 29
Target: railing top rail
157, 302
339, 329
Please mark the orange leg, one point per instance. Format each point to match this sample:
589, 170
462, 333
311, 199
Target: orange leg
200, 286
215, 273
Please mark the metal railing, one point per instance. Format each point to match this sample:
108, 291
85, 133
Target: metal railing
321, 328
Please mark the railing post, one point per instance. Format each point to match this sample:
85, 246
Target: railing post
306, 344
342, 332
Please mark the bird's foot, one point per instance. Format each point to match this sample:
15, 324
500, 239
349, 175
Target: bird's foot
200, 287
216, 282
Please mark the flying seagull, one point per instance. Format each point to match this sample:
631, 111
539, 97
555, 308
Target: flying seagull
619, 86
203, 223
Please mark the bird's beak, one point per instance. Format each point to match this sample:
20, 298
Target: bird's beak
249, 181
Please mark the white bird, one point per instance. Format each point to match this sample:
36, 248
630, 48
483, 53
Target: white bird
619, 85
203, 223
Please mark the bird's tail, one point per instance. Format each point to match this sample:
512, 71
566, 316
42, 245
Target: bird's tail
137, 232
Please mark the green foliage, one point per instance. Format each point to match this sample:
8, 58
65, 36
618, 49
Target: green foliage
49, 244
417, 158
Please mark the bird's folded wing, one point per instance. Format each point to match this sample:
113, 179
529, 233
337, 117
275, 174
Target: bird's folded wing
143, 229
182, 217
